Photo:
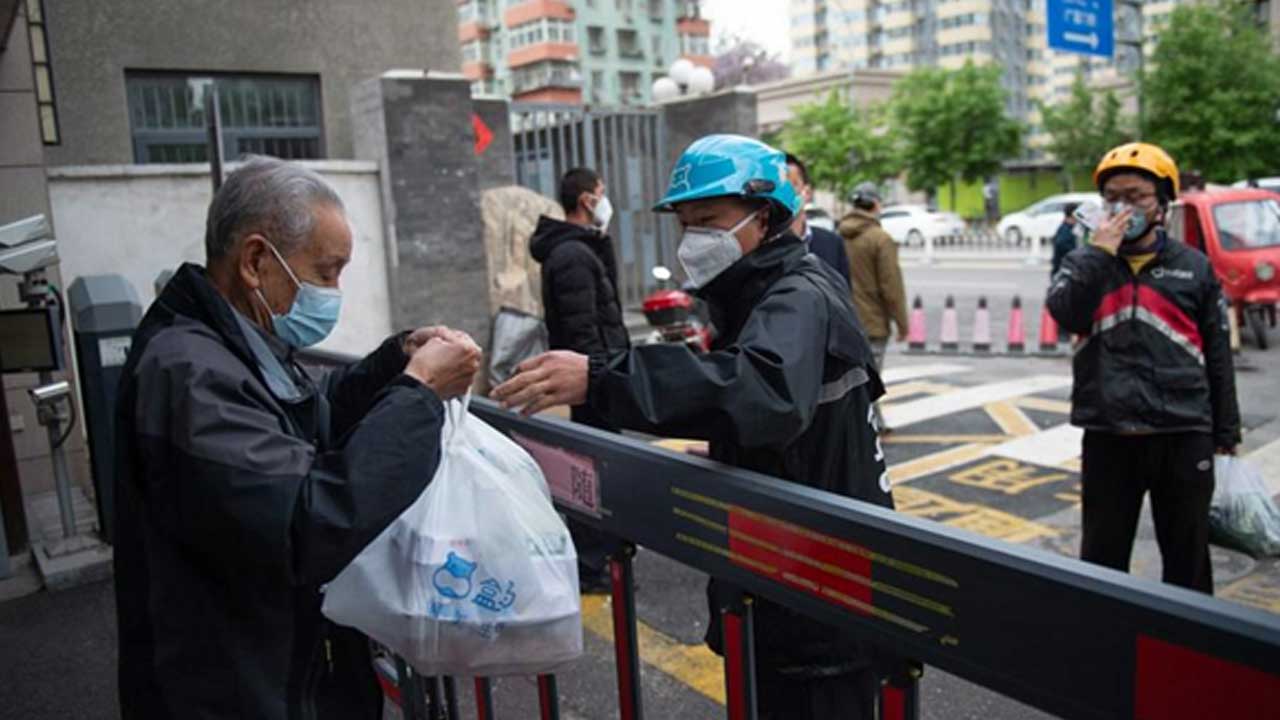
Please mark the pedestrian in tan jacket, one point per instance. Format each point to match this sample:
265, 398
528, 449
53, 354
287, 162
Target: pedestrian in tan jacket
878, 292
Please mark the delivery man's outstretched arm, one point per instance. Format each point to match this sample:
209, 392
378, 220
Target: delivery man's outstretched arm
760, 391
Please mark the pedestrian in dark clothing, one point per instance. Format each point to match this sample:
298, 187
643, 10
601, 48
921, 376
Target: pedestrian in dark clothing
1064, 240
1154, 381
786, 390
825, 244
583, 314
245, 483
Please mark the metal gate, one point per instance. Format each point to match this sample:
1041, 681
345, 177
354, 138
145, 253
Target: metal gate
626, 147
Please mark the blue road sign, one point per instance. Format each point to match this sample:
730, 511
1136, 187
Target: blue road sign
1081, 26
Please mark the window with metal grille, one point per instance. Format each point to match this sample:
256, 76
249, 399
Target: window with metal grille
275, 115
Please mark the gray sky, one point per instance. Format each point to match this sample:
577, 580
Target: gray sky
767, 22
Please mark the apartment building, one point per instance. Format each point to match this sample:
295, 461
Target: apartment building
599, 52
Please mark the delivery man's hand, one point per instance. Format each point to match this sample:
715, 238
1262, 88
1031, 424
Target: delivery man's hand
1110, 232
447, 363
555, 378
419, 337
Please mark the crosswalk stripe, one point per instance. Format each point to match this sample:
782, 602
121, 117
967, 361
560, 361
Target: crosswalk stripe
909, 413
694, 665
917, 372
915, 387
1062, 407
1051, 448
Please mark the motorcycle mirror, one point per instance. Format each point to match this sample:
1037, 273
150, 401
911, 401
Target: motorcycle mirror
661, 273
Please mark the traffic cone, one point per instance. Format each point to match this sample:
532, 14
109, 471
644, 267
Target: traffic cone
917, 337
982, 328
950, 327
1048, 331
1017, 340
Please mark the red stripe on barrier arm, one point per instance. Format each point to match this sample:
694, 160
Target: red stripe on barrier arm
735, 675
787, 549
893, 702
1174, 682
548, 697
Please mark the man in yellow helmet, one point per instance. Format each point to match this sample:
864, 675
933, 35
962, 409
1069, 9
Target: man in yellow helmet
1154, 383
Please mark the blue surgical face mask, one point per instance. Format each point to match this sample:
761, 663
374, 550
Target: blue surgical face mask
1138, 222
312, 316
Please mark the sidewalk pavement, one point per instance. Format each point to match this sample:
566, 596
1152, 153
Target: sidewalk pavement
1267, 460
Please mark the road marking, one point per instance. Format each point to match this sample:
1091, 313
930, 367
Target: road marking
1257, 590
917, 372
915, 411
681, 446
693, 665
1006, 476
1010, 419
968, 516
1054, 447
903, 439
917, 387
1062, 407
935, 462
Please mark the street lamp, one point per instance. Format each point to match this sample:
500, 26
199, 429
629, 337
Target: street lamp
684, 78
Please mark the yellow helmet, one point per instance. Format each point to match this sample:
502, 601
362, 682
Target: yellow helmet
1144, 157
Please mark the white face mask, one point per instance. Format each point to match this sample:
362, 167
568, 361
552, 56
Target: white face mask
706, 252
603, 212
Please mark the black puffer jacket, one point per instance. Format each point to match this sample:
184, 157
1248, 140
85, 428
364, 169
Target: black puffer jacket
242, 486
579, 288
1156, 351
786, 391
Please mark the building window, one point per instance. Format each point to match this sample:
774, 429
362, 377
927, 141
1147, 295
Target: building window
623, 6
629, 44
630, 85
544, 75
597, 42
541, 31
275, 115
695, 45
45, 104
657, 11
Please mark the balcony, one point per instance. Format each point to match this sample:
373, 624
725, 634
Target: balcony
542, 52
477, 70
552, 81
693, 26
474, 30
531, 10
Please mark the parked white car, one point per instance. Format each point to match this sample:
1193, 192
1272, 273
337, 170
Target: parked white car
911, 224
1042, 219
1271, 184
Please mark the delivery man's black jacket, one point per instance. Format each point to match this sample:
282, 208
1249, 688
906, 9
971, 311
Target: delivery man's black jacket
233, 508
786, 391
1155, 348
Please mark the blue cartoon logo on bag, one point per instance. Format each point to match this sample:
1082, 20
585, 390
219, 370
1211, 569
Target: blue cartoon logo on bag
453, 579
493, 597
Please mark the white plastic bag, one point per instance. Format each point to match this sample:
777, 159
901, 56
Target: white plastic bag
478, 576
1242, 514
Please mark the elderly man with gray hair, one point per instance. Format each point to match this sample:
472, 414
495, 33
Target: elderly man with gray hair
244, 483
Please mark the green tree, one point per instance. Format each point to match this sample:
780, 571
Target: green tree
952, 125
1083, 128
1213, 92
842, 145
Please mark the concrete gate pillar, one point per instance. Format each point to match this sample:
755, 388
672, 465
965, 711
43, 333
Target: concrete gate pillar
687, 119
418, 127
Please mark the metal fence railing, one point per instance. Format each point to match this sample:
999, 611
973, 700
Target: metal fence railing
1069, 638
976, 244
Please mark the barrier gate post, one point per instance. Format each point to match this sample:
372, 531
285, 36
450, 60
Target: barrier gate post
900, 694
737, 623
625, 641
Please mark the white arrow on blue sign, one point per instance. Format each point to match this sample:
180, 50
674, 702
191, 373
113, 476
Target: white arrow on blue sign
1081, 26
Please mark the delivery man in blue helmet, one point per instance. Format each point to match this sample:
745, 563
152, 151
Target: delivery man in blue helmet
786, 390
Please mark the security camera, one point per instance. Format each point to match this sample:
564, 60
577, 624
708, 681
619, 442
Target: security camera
27, 245
51, 393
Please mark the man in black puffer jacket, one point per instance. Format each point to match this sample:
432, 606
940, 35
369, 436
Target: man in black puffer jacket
1154, 382
582, 311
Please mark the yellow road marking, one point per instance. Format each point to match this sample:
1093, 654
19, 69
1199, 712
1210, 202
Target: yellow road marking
1073, 465
681, 446
1011, 420
904, 439
935, 462
919, 387
1062, 407
693, 665
976, 518
1255, 590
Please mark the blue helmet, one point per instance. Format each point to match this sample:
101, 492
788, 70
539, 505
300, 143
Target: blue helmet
733, 166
